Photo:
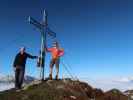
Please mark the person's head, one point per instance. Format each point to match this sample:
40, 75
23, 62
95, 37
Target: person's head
22, 50
55, 44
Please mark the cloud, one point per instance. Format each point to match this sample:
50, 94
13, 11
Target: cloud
7, 82
6, 86
125, 80
121, 83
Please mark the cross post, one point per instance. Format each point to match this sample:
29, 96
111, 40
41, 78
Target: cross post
44, 30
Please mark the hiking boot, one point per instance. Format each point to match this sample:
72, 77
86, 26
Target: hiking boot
56, 77
18, 90
50, 76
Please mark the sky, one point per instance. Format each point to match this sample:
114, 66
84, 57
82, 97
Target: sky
95, 34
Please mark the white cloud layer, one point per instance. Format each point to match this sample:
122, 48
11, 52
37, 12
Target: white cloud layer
121, 83
7, 82
6, 86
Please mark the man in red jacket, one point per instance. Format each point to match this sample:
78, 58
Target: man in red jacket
56, 53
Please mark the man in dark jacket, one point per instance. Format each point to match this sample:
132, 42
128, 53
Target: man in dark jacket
19, 66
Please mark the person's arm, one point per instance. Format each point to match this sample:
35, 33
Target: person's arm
48, 49
15, 61
32, 57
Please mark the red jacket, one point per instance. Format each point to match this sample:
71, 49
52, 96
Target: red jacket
56, 53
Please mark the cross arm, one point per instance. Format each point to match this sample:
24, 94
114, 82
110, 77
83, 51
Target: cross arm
35, 23
51, 33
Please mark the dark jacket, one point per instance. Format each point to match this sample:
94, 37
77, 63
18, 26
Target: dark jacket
20, 60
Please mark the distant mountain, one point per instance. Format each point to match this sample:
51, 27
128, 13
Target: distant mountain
129, 93
29, 79
10, 78
115, 94
6, 79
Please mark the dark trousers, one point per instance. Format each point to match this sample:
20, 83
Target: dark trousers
19, 76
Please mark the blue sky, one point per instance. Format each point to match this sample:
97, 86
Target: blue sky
96, 35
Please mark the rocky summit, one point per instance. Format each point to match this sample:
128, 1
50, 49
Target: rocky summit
66, 89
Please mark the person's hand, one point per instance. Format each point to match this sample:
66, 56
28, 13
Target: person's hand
36, 57
61, 49
45, 48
